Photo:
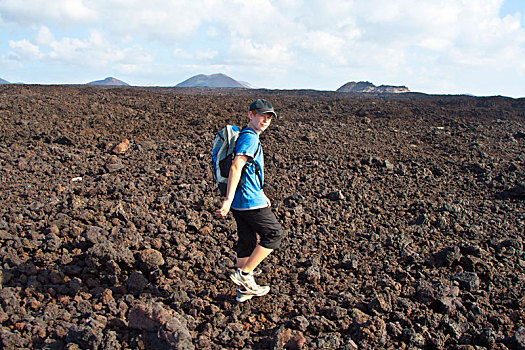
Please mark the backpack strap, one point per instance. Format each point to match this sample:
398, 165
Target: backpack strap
257, 167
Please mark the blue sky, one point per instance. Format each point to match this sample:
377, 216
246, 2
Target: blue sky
440, 47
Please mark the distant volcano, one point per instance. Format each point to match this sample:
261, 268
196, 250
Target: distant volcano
213, 80
2, 81
110, 81
365, 86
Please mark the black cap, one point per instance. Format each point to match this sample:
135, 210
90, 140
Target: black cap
262, 106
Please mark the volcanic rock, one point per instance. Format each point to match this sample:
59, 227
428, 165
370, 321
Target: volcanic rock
122, 147
403, 220
518, 339
136, 281
168, 327
150, 259
114, 164
288, 339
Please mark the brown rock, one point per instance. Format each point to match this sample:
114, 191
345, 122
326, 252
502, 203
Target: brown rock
122, 147
168, 324
54, 229
150, 258
289, 339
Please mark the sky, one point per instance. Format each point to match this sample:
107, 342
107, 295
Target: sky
432, 46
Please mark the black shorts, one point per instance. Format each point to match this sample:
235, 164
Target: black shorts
257, 221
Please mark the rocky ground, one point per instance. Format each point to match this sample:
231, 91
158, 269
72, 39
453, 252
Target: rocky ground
404, 220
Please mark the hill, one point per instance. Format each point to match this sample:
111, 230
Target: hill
110, 81
2, 81
213, 80
365, 86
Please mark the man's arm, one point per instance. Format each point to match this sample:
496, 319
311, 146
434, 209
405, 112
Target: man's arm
233, 181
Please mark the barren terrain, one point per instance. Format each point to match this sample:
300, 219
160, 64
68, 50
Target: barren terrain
404, 221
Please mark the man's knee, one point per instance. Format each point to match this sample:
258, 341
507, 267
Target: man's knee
272, 239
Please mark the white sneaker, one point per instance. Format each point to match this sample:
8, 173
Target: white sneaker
243, 295
248, 283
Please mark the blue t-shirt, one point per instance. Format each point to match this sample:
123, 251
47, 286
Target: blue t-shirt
249, 193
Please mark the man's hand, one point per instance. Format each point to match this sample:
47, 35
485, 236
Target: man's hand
224, 209
268, 202
233, 181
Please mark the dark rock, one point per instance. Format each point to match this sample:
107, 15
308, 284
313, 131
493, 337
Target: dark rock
329, 341
114, 164
319, 324
468, 281
313, 274
350, 262
64, 140
150, 259
136, 281
10, 302
336, 196
171, 328
103, 253
446, 257
10, 340
471, 250
286, 338
88, 334
233, 335
477, 168
299, 323
518, 339
380, 304
95, 234
517, 191
485, 337
441, 297
52, 242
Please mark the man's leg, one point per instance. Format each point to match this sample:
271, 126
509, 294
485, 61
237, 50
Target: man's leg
258, 255
265, 223
247, 238
241, 262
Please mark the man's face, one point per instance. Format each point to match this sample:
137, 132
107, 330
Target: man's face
260, 121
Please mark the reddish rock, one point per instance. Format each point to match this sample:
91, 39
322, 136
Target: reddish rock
122, 147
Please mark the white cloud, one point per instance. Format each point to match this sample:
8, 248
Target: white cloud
44, 36
161, 20
182, 54
433, 43
204, 56
326, 44
36, 12
24, 49
248, 52
381, 38
93, 51
10, 62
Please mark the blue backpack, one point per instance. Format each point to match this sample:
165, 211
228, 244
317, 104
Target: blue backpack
223, 154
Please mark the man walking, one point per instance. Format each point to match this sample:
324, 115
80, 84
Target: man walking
248, 203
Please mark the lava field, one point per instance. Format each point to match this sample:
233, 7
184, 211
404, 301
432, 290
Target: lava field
404, 220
